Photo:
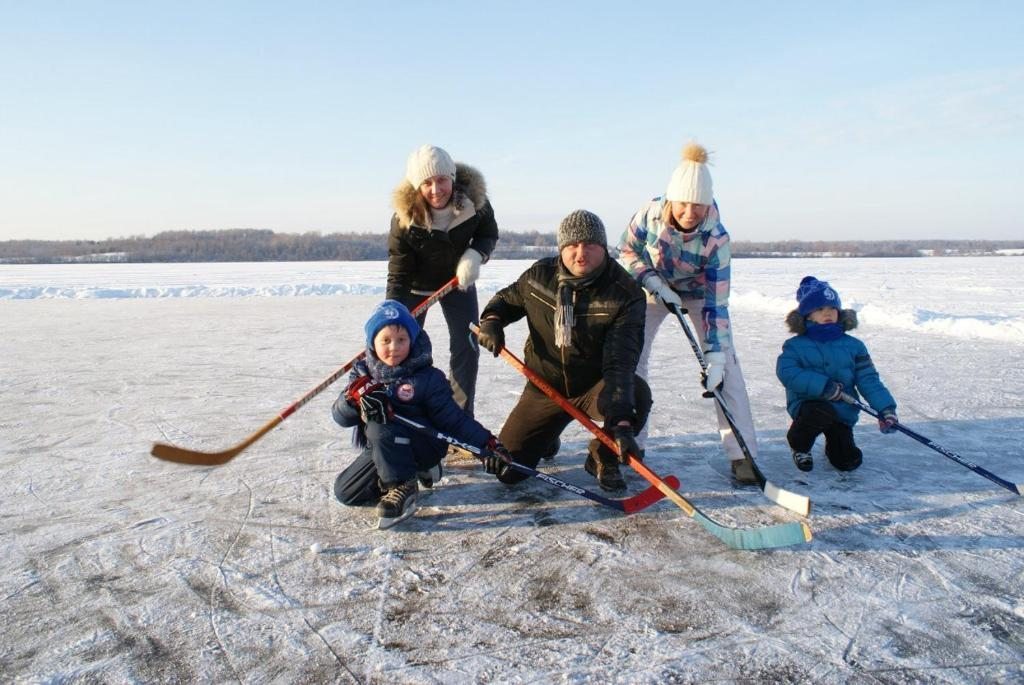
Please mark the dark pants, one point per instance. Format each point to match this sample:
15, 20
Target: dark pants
460, 309
815, 418
533, 428
393, 454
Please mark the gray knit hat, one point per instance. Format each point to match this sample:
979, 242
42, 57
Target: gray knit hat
581, 227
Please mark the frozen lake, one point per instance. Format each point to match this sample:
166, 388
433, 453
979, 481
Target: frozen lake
118, 567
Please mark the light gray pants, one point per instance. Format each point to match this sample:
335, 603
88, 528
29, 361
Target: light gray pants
734, 389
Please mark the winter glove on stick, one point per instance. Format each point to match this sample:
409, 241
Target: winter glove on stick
833, 391
887, 421
468, 268
356, 388
492, 336
625, 439
656, 285
374, 406
716, 370
495, 462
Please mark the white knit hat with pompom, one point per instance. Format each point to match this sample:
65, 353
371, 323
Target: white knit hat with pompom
691, 181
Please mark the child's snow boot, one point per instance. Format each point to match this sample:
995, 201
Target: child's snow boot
803, 460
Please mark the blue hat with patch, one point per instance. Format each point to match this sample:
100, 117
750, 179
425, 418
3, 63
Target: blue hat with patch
814, 294
390, 313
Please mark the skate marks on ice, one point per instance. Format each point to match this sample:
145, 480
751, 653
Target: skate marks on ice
160, 574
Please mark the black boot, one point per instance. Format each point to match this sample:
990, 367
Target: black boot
803, 460
840, 448
428, 477
605, 468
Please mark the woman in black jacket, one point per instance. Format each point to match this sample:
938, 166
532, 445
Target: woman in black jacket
443, 226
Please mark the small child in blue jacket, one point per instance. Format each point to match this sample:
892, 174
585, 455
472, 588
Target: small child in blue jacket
817, 365
398, 376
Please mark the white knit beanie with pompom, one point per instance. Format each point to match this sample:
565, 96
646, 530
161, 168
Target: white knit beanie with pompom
691, 181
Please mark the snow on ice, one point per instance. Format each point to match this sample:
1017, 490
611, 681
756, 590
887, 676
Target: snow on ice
119, 567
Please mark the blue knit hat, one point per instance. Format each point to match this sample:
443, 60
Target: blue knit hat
390, 313
814, 294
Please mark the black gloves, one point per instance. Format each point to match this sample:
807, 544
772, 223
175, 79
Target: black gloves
492, 336
497, 460
370, 398
374, 406
625, 439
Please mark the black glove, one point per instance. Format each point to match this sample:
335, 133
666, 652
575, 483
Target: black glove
374, 406
497, 460
625, 438
492, 336
833, 391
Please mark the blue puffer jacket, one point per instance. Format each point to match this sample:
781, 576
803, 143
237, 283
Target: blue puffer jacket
417, 390
806, 366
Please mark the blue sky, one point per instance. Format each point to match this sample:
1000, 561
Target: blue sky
845, 120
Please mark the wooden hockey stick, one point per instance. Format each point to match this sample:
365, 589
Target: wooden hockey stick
182, 455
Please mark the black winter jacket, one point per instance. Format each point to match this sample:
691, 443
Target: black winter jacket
607, 334
420, 259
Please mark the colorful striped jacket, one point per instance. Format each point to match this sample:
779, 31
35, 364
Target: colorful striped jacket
695, 266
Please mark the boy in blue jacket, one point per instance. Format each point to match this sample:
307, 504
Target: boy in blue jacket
817, 365
398, 376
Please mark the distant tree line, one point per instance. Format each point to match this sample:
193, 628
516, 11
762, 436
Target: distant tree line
262, 245
872, 248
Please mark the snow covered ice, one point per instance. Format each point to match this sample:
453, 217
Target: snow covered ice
119, 567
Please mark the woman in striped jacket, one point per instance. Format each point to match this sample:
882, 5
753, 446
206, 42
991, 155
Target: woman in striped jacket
678, 250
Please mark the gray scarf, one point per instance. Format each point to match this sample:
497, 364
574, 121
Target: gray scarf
568, 286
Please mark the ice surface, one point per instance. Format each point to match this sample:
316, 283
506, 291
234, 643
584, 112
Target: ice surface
118, 567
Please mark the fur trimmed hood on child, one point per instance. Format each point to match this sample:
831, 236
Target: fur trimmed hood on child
797, 322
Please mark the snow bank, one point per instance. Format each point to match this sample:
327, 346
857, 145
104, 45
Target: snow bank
86, 292
985, 326
971, 304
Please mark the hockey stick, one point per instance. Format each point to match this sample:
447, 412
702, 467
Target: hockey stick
779, 535
784, 498
626, 505
181, 455
1012, 487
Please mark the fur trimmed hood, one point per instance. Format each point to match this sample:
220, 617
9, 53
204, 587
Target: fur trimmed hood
797, 324
411, 208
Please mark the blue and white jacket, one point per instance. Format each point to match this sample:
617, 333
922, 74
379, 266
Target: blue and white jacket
695, 264
806, 366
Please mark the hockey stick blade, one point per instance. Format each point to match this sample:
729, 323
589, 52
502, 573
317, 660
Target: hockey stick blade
181, 455
779, 535
627, 505
801, 504
1015, 488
